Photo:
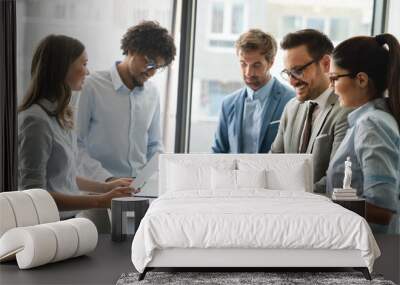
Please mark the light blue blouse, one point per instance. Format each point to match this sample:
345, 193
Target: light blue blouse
373, 144
46, 153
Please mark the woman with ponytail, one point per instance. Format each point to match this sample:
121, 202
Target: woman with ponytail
365, 73
47, 146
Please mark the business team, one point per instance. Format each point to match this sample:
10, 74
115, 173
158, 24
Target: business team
338, 108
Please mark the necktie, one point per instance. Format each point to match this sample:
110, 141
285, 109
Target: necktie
307, 127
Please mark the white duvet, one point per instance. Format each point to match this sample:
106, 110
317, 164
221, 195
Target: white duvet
250, 219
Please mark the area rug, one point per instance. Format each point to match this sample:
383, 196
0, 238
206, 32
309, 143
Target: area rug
244, 278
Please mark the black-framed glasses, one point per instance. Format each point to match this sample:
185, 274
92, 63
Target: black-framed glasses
334, 77
152, 65
298, 72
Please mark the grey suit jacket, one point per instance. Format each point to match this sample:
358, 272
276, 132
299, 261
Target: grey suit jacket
328, 132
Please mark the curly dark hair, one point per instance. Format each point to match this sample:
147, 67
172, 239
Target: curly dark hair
150, 39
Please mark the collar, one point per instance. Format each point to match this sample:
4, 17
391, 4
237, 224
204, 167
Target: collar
261, 93
116, 78
355, 115
117, 81
48, 105
322, 99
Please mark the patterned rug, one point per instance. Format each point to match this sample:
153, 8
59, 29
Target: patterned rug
243, 278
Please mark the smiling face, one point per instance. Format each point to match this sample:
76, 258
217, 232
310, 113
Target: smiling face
314, 79
351, 89
77, 72
255, 68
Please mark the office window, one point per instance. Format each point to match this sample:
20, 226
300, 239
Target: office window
316, 23
217, 18
394, 19
99, 25
338, 29
291, 23
216, 69
227, 21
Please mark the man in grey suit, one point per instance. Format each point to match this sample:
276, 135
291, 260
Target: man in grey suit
313, 122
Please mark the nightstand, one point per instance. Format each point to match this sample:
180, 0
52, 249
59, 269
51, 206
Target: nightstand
126, 210
355, 205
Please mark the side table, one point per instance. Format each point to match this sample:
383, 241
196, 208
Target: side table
356, 205
121, 209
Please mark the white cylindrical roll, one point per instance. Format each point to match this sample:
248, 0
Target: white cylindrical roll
34, 246
87, 235
7, 217
24, 210
45, 205
67, 239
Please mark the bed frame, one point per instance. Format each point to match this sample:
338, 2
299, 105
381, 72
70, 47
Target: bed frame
240, 259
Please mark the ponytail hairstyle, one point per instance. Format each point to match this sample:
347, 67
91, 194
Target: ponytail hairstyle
379, 58
50, 64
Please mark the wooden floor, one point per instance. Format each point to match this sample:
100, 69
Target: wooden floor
110, 260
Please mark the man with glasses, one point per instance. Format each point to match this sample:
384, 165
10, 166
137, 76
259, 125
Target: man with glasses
250, 116
313, 122
119, 110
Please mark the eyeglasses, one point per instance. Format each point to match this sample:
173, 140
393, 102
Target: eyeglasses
334, 77
152, 65
297, 73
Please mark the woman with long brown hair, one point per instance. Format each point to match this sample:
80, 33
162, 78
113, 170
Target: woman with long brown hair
47, 144
363, 69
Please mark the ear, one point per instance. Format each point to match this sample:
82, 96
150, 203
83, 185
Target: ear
362, 79
270, 63
325, 63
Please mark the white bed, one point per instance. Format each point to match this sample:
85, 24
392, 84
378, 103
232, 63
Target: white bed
221, 211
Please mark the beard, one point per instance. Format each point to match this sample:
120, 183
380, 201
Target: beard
137, 82
253, 81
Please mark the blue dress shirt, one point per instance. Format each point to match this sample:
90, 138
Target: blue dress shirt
373, 144
117, 126
254, 106
230, 130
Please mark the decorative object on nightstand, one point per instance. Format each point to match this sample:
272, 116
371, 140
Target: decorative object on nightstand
345, 193
126, 214
347, 196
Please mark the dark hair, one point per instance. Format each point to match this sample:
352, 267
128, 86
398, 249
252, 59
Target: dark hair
50, 64
317, 43
381, 64
256, 39
149, 38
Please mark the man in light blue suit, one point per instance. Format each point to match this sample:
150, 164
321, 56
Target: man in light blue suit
250, 116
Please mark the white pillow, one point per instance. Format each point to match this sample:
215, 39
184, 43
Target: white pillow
291, 179
281, 174
251, 178
182, 177
223, 179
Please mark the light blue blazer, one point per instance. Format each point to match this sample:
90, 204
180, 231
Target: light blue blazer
228, 137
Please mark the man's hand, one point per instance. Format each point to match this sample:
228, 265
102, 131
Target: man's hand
120, 182
104, 200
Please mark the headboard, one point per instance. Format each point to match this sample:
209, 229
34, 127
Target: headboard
288, 169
